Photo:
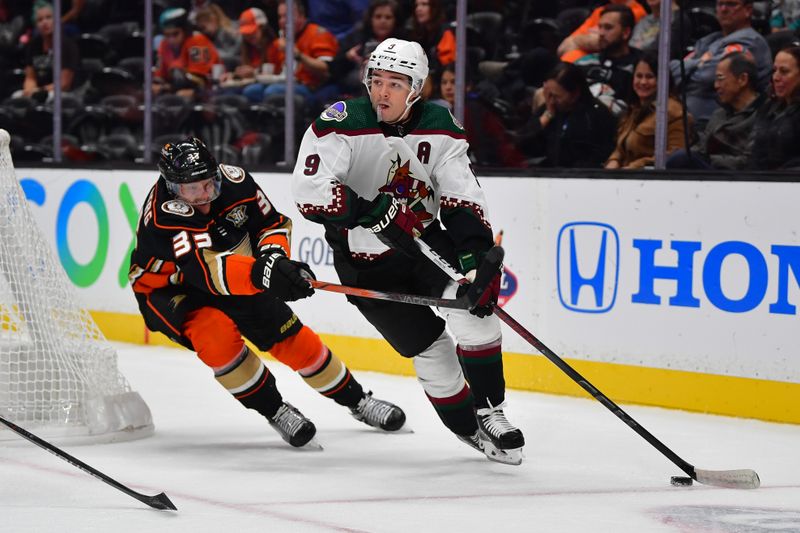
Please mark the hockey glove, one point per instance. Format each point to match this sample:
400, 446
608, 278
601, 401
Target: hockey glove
393, 223
468, 264
281, 277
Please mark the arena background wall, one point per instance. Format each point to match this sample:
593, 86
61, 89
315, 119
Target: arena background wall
681, 294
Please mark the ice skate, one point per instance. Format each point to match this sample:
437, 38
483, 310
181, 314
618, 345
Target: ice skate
292, 426
502, 435
479, 441
378, 413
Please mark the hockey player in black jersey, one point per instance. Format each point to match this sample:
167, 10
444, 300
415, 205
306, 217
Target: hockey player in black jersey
211, 266
378, 171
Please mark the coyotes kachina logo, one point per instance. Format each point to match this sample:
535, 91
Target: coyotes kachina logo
401, 184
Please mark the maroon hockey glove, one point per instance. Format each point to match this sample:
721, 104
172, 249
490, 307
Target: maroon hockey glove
393, 223
281, 277
468, 263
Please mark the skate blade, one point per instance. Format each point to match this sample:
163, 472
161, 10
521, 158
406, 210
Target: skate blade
512, 456
404, 429
311, 446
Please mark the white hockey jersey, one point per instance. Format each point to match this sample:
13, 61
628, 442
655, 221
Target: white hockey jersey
347, 158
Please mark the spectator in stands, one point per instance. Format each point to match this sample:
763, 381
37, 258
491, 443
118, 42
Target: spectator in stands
569, 127
185, 57
215, 24
610, 70
785, 16
314, 48
431, 30
776, 134
70, 11
12, 26
726, 142
645, 33
736, 35
337, 16
586, 38
38, 82
784, 23
256, 39
381, 21
636, 136
490, 144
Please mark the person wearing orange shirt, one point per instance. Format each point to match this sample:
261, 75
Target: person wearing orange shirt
586, 39
314, 49
430, 28
185, 57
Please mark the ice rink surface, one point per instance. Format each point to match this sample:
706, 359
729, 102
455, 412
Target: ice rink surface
227, 470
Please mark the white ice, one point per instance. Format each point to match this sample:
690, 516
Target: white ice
227, 470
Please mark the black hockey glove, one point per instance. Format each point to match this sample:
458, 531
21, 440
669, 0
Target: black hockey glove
281, 277
468, 263
393, 223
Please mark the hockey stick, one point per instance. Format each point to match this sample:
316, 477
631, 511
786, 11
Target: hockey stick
493, 261
458, 303
734, 479
159, 501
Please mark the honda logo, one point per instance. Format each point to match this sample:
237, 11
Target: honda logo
587, 266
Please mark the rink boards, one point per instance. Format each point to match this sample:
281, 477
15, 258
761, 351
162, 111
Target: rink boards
681, 294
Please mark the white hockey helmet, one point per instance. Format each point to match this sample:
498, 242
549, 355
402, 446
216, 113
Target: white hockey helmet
402, 57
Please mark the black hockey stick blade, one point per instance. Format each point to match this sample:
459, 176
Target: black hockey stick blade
159, 501
733, 479
458, 303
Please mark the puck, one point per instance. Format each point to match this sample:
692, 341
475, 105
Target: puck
680, 481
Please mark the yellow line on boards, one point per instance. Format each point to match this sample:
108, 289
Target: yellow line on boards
675, 389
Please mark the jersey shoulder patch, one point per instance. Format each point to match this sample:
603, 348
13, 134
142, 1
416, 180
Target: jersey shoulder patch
232, 173
337, 112
439, 118
177, 207
347, 116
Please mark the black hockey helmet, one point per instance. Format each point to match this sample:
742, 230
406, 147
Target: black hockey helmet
187, 162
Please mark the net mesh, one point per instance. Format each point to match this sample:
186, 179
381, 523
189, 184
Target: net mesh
58, 374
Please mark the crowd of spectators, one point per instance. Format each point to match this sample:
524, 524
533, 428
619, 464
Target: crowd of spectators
568, 83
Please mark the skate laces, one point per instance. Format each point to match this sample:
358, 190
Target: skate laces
494, 421
288, 418
372, 411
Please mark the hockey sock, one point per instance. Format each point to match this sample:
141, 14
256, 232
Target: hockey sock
456, 412
251, 382
439, 373
331, 378
483, 366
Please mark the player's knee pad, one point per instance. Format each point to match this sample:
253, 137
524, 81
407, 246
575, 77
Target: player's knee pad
468, 329
438, 369
300, 351
214, 336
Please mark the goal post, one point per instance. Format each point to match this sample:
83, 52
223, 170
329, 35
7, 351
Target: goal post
58, 374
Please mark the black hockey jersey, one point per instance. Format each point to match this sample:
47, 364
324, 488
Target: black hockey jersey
214, 253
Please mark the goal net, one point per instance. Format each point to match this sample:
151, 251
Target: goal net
58, 374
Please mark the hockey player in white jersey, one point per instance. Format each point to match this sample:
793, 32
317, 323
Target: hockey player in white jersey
375, 172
